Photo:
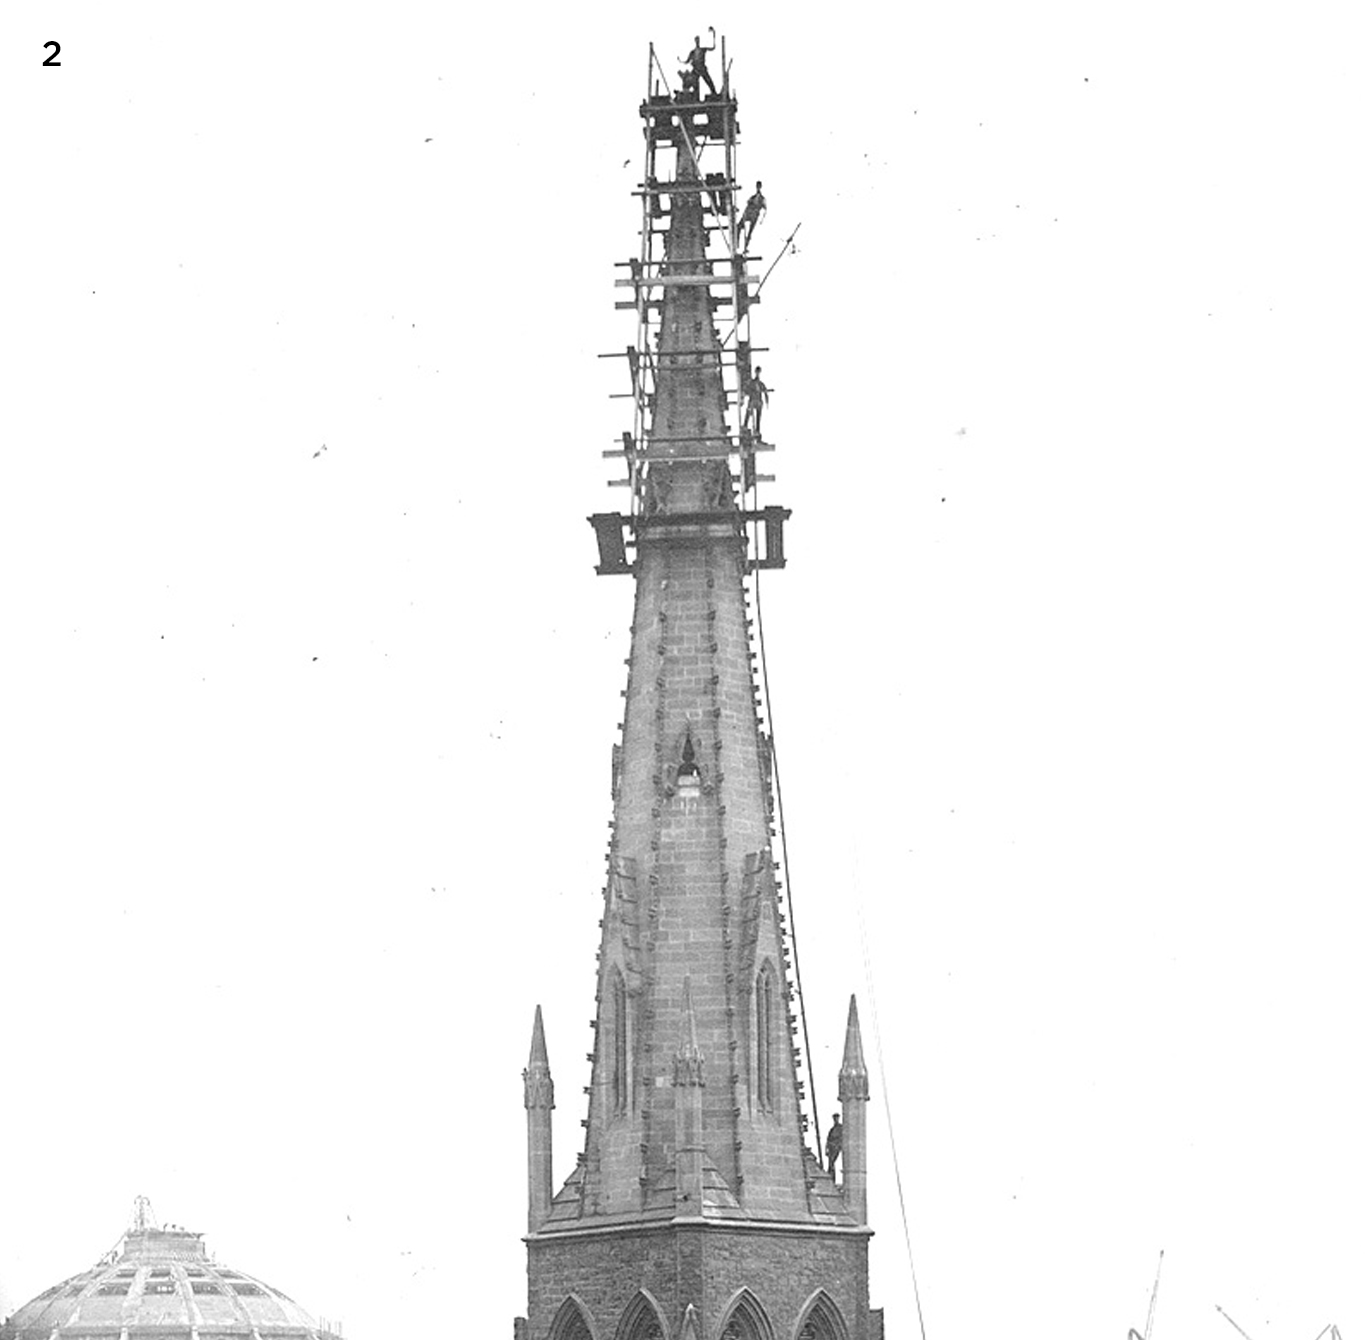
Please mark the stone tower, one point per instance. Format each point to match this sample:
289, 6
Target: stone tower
695, 1209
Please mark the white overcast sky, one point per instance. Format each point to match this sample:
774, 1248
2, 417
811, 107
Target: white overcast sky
306, 756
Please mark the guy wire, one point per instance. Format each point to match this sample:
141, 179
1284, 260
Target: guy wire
782, 838
886, 1092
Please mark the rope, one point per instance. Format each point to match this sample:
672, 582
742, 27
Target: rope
778, 257
772, 729
791, 911
766, 273
1151, 1307
886, 1094
782, 837
1232, 1323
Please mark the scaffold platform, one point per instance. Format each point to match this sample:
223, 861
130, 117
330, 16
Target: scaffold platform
690, 165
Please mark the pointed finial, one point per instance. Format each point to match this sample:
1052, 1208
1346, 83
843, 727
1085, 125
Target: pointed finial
688, 1062
539, 1055
540, 1088
853, 1073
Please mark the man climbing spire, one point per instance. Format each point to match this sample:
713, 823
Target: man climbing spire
696, 70
756, 207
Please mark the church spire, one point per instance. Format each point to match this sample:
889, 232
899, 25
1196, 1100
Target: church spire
691, 886
695, 1177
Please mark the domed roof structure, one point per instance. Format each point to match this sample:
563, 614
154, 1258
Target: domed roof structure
161, 1284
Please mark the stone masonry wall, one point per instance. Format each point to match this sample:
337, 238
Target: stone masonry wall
690, 673
705, 1265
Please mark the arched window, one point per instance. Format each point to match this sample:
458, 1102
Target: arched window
641, 1320
765, 1001
820, 1320
611, 1069
620, 1079
570, 1323
746, 1319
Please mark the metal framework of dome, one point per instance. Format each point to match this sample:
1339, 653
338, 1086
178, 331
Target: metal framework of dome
161, 1284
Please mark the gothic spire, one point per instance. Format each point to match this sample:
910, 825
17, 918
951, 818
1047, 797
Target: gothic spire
693, 938
696, 1207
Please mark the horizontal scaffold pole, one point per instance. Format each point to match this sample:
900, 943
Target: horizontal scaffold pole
683, 281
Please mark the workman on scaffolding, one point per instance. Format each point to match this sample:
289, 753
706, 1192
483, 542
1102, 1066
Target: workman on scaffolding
755, 398
696, 70
754, 210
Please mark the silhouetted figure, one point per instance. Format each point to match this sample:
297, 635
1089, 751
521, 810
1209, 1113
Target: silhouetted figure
753, 211
834, 1144
720, 198
755, 398
696, 71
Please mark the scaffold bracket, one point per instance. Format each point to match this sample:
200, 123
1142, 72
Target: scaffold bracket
615, 531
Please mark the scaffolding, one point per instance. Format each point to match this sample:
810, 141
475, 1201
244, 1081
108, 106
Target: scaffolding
683, 127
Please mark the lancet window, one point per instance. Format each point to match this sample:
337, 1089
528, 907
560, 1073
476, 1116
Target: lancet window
746, 1320
765, 1024
620, 1079
822, 1320
641, 1321
570, 1323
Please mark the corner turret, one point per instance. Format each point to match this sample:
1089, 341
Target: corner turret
540, 1101
853, 1096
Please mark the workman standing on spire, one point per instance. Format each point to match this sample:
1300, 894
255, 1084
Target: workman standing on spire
753, 211
696, 67
756, 397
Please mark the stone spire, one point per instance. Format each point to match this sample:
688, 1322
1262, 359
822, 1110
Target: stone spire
695, 1208
540, 1101
853, 1096
691, 888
